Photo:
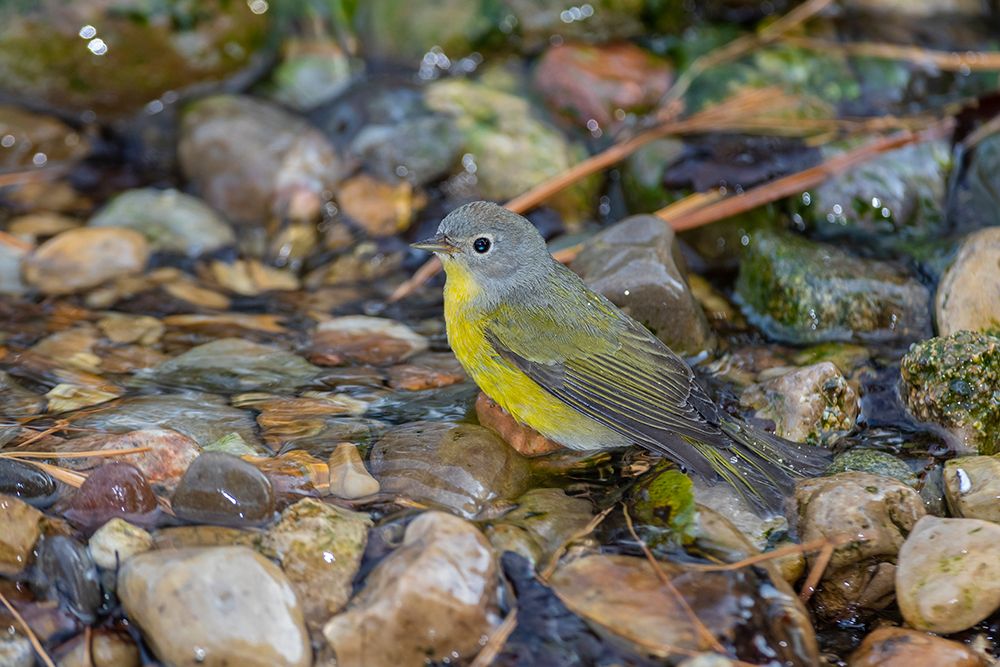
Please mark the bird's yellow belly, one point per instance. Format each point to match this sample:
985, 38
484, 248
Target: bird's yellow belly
518, 394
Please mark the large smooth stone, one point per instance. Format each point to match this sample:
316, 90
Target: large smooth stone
214, 607
902, 647
21, 527
460, 467
117, 541
319, 547
81, 258
114, 490
968, 296
432, 598
170, 220
948, 578
223, 489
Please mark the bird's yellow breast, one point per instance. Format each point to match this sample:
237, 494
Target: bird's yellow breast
515, 392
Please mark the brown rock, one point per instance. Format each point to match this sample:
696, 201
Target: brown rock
359, 339
115, 489
382, 209
901, 647
21, 528
524, 439
429, 370
85, 257
969, 294
105, 648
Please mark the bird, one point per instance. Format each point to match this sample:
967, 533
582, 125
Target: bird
566, 362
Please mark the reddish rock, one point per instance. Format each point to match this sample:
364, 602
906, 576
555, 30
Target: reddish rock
114, 490
901, 647
595, 82
426, 371
357, 339
525, 440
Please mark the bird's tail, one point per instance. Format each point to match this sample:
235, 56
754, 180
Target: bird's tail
762, 467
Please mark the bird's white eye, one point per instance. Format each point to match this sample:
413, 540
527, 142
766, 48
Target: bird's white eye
482, 245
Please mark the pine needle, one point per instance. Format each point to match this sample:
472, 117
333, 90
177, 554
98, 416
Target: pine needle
947, 61
68, 477
591, 526
496, 641
90, 453
816, 573
807, 547
32, 637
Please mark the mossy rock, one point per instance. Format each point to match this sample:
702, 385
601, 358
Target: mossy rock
798, 292
875, 462
955, 381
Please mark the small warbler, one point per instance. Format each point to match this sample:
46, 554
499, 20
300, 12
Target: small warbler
568, 363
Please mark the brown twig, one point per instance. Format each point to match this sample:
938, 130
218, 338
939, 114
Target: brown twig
591, 526
32, 637
949, 61
813, 545
496, 641
816, 573
90, 453
799, 181
705, 634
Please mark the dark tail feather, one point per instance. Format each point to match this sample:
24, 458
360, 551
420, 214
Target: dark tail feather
762, 467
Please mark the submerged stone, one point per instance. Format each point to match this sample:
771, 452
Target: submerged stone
954, 381
27, 482
801, 292
222, 489
22, 528
113, 490
65, 571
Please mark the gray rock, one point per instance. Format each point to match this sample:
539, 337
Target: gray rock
65, 571
460, 467
810, 404
419, 150
222, 489
968, 296
875, 462
972, 487
254, 161
116, 541
170, 220
954, 381
235, 365
635, 264
86, 257
547, 517
949, 574
319, 547
801, 292
432, 598
874, 514
235, 606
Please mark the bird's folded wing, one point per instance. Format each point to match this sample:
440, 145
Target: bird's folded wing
612, 370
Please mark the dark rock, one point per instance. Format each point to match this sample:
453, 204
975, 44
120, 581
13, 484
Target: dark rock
27, 482
222, 489
65, 570
114, 490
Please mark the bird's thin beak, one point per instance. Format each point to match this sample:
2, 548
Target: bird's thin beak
436, 243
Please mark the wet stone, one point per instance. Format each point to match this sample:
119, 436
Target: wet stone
460, 467
635, 264
236, 608
875, 462
170, 220
348, 476
902, 647
117, 541
972, 487
431, 598
22, 527
184, 537
79, 259
524, 439
968, 296
357, 339
27, 482
65, 571
319, 547
429, 370
113, 490
948, 578
101, 648
222, 489
16, 401
549, 517
234, 365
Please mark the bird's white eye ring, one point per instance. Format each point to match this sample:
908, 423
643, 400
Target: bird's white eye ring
482, 245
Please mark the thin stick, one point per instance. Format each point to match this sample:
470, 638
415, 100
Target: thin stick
704, 632
90, 453
786, 550
799, 181
32, 637
949, 61
816, 573
580, 534
496, 641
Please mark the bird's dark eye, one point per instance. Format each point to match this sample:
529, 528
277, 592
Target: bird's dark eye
481, 245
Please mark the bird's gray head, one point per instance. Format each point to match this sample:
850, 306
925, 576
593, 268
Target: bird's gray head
493, 246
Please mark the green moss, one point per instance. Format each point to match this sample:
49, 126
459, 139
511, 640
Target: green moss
798, 291
955, 381
875, 462
665, 505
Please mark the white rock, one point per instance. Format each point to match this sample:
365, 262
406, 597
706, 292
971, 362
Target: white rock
117, 541
348, 476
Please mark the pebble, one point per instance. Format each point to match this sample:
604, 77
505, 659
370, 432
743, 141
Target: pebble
968, 296
876, 513
81, 258
65, 571
27, 482
431, 599
348, 476
381, 209
948, 577
117, 541
222, 489
902, 647
460, 467
429, 370
524, 439
16, 401
235, 608
115, 489
972, 487
319, 547
358, 339
123, 328
100, 648
21, 528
